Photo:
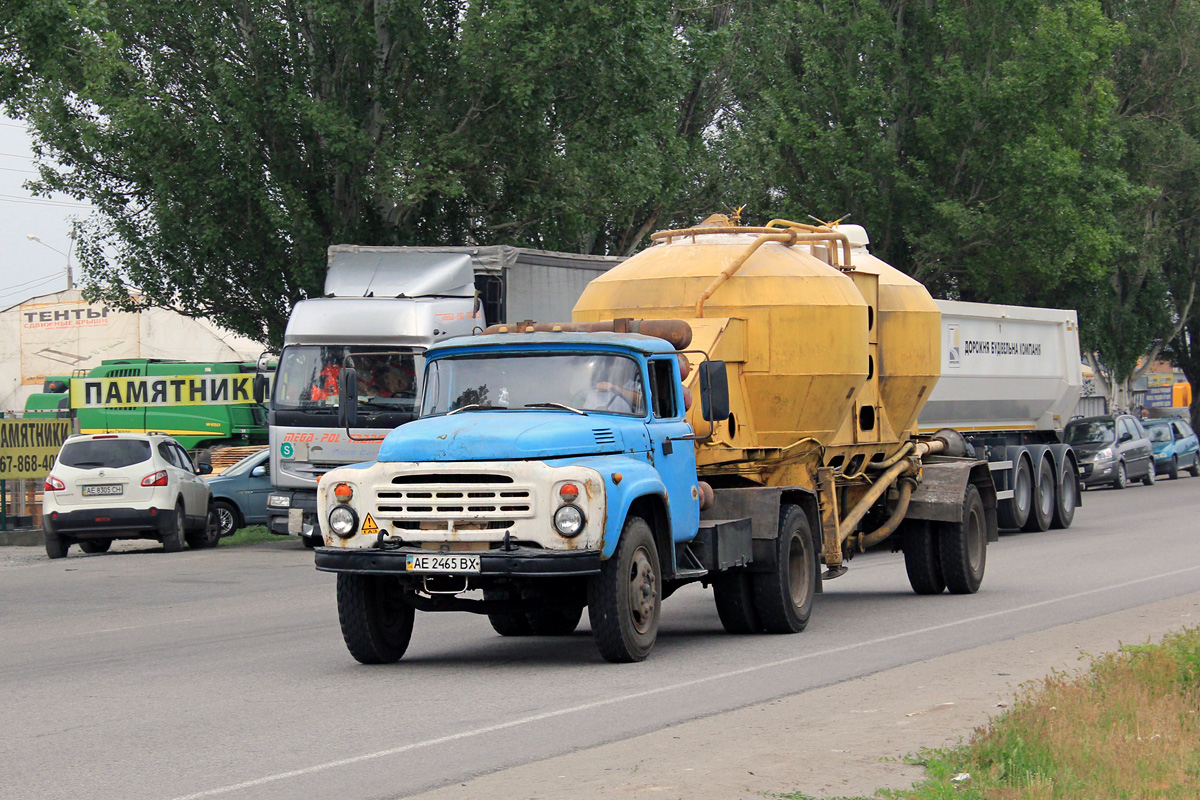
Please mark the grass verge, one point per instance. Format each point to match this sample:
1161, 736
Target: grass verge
253, 534
1127, 728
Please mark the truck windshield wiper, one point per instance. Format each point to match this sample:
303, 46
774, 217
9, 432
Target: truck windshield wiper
563, 406
467, 407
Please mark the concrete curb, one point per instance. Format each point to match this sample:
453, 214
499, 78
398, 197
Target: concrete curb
24, 537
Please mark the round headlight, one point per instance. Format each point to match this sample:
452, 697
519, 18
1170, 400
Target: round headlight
343, 521
568, 521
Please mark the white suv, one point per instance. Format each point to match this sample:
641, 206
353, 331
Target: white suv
126, 486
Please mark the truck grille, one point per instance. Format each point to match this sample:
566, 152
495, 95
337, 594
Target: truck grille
476, 497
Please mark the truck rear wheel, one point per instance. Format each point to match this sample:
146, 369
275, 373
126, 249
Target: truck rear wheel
1041, 510
625, 599
922, 560
1066, 499
554, 621
1014, 511
734, 594
376, 621
784, 597
962, 546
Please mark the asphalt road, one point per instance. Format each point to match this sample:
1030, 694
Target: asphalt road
222, 673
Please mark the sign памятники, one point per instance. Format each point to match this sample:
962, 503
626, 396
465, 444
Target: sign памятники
162, 390
28, 447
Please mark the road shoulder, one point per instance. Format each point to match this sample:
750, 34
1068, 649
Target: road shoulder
848, 739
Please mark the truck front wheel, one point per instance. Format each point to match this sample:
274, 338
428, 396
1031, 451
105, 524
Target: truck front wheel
963, 546
625, 599
376, 621
784, 597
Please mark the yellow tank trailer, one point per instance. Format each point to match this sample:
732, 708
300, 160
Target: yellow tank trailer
831, 354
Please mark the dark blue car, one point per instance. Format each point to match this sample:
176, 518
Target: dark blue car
240, 492
1175, 446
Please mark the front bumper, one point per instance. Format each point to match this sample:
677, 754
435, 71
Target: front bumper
284, 522
519, 562
103, 523
1097, 472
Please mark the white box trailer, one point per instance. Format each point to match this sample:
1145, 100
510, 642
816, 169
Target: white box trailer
1010, 382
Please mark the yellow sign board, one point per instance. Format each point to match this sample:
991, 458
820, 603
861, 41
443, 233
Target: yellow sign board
28, 446
162, 390
369, 528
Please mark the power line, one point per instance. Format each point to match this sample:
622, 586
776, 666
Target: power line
14, 169
17, 155
15, 286
34, 285
10, 198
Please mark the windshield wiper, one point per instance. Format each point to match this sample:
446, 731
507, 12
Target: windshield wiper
563, 406
467, 407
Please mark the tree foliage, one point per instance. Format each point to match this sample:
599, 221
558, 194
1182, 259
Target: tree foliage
1040, 152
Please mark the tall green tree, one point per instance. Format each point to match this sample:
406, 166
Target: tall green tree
226, 144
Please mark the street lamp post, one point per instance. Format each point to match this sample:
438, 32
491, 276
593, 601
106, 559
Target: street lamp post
70, 279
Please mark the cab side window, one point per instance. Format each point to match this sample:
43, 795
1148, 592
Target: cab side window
662, 388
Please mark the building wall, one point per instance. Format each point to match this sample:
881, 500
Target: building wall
56, 334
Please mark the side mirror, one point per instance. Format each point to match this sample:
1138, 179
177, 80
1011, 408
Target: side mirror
348, 398
259, 472
204, 469
261, 384
1125, 437
714, 391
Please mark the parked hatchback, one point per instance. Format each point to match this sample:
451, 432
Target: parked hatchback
1175, 446
126, 486
240, 492
1111, 450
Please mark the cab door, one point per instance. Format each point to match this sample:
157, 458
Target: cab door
674, 455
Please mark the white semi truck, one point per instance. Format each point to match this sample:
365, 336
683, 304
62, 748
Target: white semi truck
1010, 381
381, 308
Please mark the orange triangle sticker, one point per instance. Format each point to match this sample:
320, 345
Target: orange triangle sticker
369, 528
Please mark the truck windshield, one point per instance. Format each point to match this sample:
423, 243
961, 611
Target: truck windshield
601, 383
307, 378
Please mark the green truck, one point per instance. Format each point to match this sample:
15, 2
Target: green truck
202, 408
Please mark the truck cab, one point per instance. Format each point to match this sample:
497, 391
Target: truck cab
533, 456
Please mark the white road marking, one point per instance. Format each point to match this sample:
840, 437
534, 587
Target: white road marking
454, 737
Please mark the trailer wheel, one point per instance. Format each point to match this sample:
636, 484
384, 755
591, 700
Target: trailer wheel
1067, 498
734, 594
376, 621
1041, 511
1014, 511
625, 599
963, 546
921, 558
784, 598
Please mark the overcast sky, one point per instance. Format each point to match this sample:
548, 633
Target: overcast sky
26, 267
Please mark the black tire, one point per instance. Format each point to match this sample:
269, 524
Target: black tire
1173, 469
56, 545
1066, 499
963, 546
1122, 478
1151, 475
734, 594
1013, 513
1041, 511
784, 598
229, 517
95, 545
174, 537
1194, 469
376, 621
312, 541
507, 623
922, 560
625, 599
554, 620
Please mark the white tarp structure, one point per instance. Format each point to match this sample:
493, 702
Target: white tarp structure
56, 334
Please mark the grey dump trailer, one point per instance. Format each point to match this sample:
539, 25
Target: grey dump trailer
382, 306
1010, 382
